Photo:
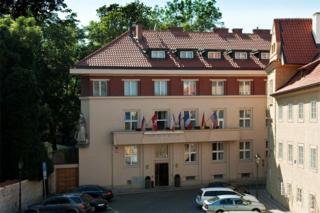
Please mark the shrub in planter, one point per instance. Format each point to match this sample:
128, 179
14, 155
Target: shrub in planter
197, 127
138, 129
177, 128
148, 129
207, 127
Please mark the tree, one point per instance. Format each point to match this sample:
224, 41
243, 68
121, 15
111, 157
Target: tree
20, 45
192, 15
40, 9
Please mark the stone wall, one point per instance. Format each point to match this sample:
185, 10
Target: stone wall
31, 192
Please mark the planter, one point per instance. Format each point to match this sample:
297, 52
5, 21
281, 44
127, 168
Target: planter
138, 129
197, 127
148, 129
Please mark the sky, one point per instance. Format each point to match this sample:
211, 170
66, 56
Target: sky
245, 14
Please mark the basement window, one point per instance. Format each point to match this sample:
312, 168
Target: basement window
190, 177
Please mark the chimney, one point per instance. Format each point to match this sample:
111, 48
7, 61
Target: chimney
316, 28
139, 29
221, 30
237, 30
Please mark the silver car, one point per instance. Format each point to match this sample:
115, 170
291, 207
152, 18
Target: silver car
223, 203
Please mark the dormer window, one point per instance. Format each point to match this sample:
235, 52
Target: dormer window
264, 55
186, 54
159, 54
240, 55
214, 55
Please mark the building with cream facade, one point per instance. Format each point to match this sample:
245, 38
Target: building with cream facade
294, 106
145, 78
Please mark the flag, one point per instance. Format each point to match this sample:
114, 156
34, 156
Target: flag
143, 120
179, 119
172, 122
187, 120
203, 122
214, 119
154, 121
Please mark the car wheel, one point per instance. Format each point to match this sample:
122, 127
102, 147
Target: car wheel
219, 211
256, 210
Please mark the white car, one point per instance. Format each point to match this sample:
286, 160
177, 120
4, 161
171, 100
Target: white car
207, 193
231, 203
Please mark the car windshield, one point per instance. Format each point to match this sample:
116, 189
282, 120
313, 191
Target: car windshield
212, 200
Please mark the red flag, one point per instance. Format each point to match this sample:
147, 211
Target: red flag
203, 122
154, 121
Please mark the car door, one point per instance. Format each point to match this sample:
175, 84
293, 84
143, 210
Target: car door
228, 204
63, 204
241, 205
49, 205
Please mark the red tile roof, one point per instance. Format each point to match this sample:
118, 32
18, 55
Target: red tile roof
127, 52
296, 39
306, 76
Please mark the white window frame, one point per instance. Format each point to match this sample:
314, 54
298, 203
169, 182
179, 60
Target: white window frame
299, 194
290, 153
221, 117
240, 55
186, 54
290, 112
312, 202
280, 150
245, 118
300, 154
280, 112
300, 112
160, 87
133, 85
314, 162
161, 151
165, 120
188, 152
99, 82
313, 111
187, 87
245, 150
158, 54
132, 156
218, 87
131, 120
219, 151
245, 87
265, 55
214, 55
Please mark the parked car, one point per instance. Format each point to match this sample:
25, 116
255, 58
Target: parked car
207, 193
97, 203
95, 191
238, 188
223, 203
71, 203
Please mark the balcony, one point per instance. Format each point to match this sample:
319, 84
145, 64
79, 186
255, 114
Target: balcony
178, 136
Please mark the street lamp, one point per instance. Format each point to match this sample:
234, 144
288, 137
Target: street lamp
20, 165
257, 158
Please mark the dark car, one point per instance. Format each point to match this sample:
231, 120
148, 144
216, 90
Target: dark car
238, 188
95, 191
70, 203
97, 203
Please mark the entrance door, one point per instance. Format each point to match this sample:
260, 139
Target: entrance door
162, 174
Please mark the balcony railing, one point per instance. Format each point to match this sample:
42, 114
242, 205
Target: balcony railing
178, 136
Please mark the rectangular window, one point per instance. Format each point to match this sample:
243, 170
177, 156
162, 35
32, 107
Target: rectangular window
217, 151
189, 87
244, 87
312, 202
245, 175
245, 118
160, 54
186, 54
280, 151
192, 117
161, 151
190, 177
131, 120
314, 157
300, 154
131, 155
214, 55
217, 87
130, 87
240, 55
300, 112
282, 189
290, 153
280, 112
218, 176
190, 153
100, 88
290, 111
245, 150
313, 110
299, 195
220, 117
160, 88
162, 119
264, 55
289, 190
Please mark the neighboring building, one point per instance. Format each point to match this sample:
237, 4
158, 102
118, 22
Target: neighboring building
294, 106
158, 74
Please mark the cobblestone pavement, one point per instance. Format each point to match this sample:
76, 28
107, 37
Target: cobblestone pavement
181, 200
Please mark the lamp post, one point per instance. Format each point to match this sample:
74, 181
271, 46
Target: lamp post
257, 158
20, 165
